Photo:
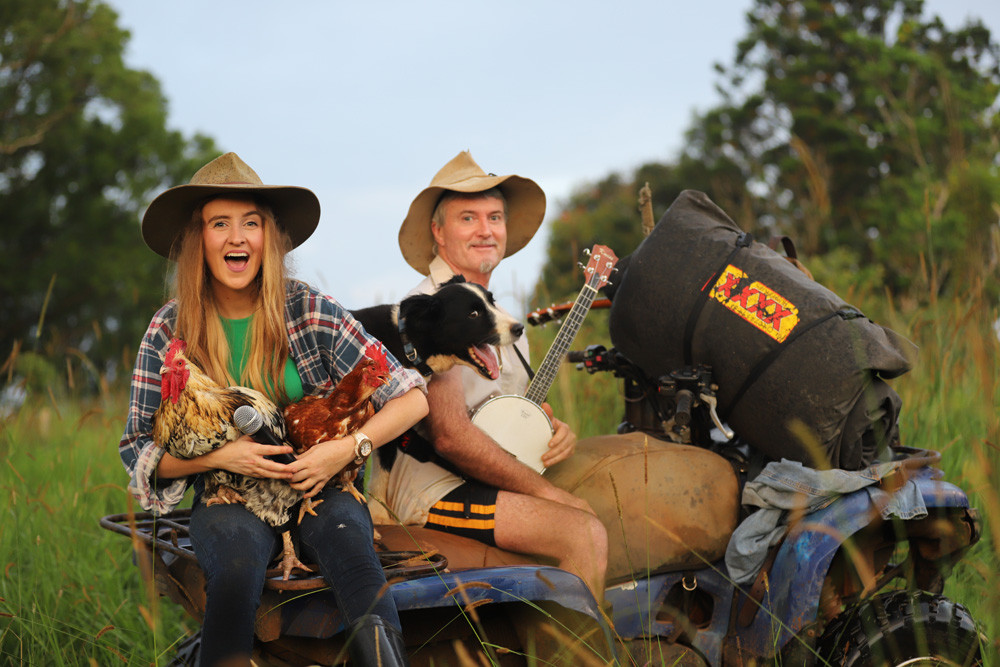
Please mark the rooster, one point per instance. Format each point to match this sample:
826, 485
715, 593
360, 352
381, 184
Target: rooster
317, 419
195, 416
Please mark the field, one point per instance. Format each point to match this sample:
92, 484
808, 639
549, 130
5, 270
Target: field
70, 595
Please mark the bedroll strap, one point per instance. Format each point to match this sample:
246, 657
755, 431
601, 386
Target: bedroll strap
742, 241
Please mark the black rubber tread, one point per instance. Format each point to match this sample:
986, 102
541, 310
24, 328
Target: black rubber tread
894, 627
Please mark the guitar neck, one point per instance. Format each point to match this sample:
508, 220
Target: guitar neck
546, 374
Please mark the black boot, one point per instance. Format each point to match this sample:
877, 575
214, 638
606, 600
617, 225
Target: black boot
374, 642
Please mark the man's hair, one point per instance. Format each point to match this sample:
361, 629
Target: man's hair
451, 195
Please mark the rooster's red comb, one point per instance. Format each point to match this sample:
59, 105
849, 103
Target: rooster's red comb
376, 353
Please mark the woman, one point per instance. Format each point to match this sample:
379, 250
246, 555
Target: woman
229, 235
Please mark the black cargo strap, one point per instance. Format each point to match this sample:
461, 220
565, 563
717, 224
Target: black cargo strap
742, 241
848, 313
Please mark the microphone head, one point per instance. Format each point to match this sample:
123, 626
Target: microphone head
247, 419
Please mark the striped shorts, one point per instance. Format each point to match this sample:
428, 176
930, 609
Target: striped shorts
467, 511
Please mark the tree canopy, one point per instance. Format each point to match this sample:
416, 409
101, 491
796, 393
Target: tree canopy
862, 130
84, 144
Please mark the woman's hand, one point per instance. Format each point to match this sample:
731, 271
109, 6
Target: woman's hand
242, 456
319, 464
245, 456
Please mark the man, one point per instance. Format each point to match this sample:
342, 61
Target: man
464, 223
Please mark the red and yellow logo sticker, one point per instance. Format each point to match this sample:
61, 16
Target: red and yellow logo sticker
756, 303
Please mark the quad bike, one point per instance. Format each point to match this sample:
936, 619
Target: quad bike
844, 586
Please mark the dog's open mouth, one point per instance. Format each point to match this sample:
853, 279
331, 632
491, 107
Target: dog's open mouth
486, 360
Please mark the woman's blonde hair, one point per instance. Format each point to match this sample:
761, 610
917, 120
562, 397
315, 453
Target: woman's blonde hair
198, 320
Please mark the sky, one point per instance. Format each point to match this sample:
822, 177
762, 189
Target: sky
363, 102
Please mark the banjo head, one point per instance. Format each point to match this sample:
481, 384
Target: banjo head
519, 425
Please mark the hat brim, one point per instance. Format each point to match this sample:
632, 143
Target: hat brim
297, 210
525, 212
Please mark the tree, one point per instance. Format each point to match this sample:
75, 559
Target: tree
83, 146
852, 122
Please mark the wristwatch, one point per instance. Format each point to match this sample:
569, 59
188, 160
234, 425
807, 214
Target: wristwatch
362, 447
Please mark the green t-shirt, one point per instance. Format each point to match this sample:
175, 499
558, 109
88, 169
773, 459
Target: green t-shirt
237, 332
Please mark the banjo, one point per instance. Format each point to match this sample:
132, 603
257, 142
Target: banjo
518, 423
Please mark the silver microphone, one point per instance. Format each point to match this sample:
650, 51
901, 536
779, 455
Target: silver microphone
250, 422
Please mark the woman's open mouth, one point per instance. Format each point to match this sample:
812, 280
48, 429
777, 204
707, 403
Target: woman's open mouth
237, 261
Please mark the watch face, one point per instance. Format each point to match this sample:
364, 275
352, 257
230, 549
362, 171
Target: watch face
365, 448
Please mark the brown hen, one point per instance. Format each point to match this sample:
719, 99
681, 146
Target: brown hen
315, 419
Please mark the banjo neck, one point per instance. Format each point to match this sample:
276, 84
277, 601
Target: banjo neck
546, 373
602, 262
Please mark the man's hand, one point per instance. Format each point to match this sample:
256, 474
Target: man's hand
563, 441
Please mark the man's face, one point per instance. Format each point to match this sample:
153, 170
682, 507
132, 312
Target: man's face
473, 238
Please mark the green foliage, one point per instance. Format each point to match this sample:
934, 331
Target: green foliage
83, 145
69, 592
855, 127
846, 127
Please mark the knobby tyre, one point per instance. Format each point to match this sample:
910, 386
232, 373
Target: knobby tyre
902, 628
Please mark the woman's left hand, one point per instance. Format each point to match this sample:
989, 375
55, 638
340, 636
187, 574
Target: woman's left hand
316, 466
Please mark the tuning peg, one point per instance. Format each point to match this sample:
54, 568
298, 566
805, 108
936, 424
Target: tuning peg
586, 251
580, 264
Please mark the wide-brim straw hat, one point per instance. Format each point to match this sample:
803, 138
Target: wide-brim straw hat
296, 208
525, 208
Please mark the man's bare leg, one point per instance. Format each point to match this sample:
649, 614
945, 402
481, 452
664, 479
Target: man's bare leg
575, 539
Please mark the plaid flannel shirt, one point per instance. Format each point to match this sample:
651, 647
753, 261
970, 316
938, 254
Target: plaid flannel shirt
326, 343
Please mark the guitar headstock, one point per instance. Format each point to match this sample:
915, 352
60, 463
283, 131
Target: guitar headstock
602, 263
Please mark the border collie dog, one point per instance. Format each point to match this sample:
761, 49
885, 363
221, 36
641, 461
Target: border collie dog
458, 324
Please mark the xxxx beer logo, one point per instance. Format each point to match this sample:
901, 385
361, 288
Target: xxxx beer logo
756, 303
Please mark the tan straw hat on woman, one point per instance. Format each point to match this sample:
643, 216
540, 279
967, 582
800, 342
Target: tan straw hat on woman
525, 208
297, 209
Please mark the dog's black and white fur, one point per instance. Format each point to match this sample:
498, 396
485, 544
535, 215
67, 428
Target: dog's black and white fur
458, 324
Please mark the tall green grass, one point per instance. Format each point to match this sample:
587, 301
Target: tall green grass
70, 595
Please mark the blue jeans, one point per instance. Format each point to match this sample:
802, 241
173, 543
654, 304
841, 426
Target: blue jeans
234, 549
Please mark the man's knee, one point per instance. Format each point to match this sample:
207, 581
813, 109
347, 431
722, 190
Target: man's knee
594, 536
